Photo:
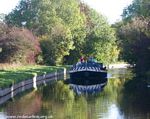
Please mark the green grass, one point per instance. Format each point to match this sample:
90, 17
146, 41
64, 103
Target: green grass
16, 74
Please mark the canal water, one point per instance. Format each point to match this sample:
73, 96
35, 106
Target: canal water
58, 101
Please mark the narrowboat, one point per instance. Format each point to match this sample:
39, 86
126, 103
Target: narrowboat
88, 77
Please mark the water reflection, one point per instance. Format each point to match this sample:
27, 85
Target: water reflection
58, 101
87, 86
26, 105
87, 89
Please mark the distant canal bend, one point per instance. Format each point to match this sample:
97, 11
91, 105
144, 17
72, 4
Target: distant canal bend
58, 101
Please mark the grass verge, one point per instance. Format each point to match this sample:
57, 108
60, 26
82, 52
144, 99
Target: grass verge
13, 75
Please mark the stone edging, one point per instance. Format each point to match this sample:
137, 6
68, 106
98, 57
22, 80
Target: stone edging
7, 93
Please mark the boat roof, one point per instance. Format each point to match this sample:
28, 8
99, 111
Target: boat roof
87, 66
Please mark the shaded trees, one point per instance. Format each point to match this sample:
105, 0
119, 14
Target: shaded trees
135, 41
134, 38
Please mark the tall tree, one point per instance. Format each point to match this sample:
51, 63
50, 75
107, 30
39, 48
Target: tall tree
133, 34
138, 8
66, 27
100, 39
45, 17
135, 41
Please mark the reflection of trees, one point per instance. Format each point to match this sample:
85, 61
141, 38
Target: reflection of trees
113, 91
108, 97
62, 103
135, 105
66, 105
115, 85
58, 101
29, 104
135, 100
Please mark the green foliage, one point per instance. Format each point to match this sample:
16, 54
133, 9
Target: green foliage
135, 41
26, 12
138, 8
133, 34
100, 39
39, 59
67, 29
63, 92
57, 22
17, 45
56, 46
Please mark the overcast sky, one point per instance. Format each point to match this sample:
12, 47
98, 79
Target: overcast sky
112, 9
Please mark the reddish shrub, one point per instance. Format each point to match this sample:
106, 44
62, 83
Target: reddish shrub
18, 45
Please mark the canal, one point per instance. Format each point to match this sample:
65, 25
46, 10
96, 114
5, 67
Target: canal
58, 101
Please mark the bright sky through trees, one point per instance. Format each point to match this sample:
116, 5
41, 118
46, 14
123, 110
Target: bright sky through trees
112, 9
7, 5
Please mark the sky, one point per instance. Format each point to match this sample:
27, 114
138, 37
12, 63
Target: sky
112, 9
7, 5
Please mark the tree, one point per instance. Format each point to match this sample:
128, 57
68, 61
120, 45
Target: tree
17, 45
135, 41
44, 17
133, 37
138, 8
67, 29
100, 40
54, 48
135, 28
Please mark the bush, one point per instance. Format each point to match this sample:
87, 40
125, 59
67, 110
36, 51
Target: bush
17, 45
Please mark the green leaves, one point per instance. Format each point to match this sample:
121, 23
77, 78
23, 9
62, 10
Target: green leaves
130, 34
66, 29
100, 38
138, 8
56, 46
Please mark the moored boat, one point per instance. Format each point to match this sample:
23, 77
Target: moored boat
88, 73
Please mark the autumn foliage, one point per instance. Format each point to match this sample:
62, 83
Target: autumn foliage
17, 45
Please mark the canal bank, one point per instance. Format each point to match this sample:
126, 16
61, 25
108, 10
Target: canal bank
36, 80
24, 84
58, 101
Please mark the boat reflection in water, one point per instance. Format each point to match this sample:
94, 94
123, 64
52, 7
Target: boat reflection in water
88, 77
91, 89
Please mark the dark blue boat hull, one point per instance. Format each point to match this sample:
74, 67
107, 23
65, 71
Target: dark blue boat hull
88, 77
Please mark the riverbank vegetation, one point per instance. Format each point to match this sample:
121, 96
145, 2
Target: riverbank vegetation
63, 32
52, 33
133, 35
59, 32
